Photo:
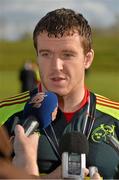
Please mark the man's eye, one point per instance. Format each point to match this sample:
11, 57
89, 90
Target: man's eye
45, 54
67, 55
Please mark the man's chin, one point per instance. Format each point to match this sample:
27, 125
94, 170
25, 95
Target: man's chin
60, 93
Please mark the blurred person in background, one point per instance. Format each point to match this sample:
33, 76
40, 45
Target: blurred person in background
63, 43
28, 76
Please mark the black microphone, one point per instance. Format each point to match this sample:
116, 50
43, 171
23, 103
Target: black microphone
74, 147
112, 141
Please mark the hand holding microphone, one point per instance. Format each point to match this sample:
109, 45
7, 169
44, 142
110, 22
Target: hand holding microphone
35, 113
43, 107
25, 149
39, 112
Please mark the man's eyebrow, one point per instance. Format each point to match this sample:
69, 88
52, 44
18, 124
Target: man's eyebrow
68, 51
43, 50
63, 51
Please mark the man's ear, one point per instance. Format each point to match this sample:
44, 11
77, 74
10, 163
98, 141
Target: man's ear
89, 59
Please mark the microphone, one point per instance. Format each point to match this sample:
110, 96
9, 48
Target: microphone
74, 147
42, 113
30, 125
111, 140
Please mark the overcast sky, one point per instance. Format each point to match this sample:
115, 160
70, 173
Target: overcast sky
20, 16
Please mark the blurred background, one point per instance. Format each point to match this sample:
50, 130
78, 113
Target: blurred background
17, 21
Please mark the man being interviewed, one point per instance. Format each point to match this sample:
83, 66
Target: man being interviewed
63, 43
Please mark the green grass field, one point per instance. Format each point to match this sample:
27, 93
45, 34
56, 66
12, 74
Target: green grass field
14, 54
103, 78
102, 83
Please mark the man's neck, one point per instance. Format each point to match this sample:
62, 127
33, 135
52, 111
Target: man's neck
71, 103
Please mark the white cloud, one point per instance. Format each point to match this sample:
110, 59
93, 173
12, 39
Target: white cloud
99, 14
18, 16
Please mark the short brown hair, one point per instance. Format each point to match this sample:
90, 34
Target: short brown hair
64, 21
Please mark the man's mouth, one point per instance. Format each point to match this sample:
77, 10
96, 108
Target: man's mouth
58, 78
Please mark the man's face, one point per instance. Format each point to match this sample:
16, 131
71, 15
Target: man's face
62, 63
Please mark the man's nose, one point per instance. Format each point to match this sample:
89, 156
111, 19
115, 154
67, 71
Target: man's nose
57, 63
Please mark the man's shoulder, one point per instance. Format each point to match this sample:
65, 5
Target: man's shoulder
107, 106
12, 105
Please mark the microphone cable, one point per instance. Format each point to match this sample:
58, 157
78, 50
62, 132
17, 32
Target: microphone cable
52, 142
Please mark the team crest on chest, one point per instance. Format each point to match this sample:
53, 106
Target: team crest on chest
100, 133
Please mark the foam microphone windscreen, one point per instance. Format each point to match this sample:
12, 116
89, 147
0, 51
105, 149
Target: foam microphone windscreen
43, 113
74, 142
